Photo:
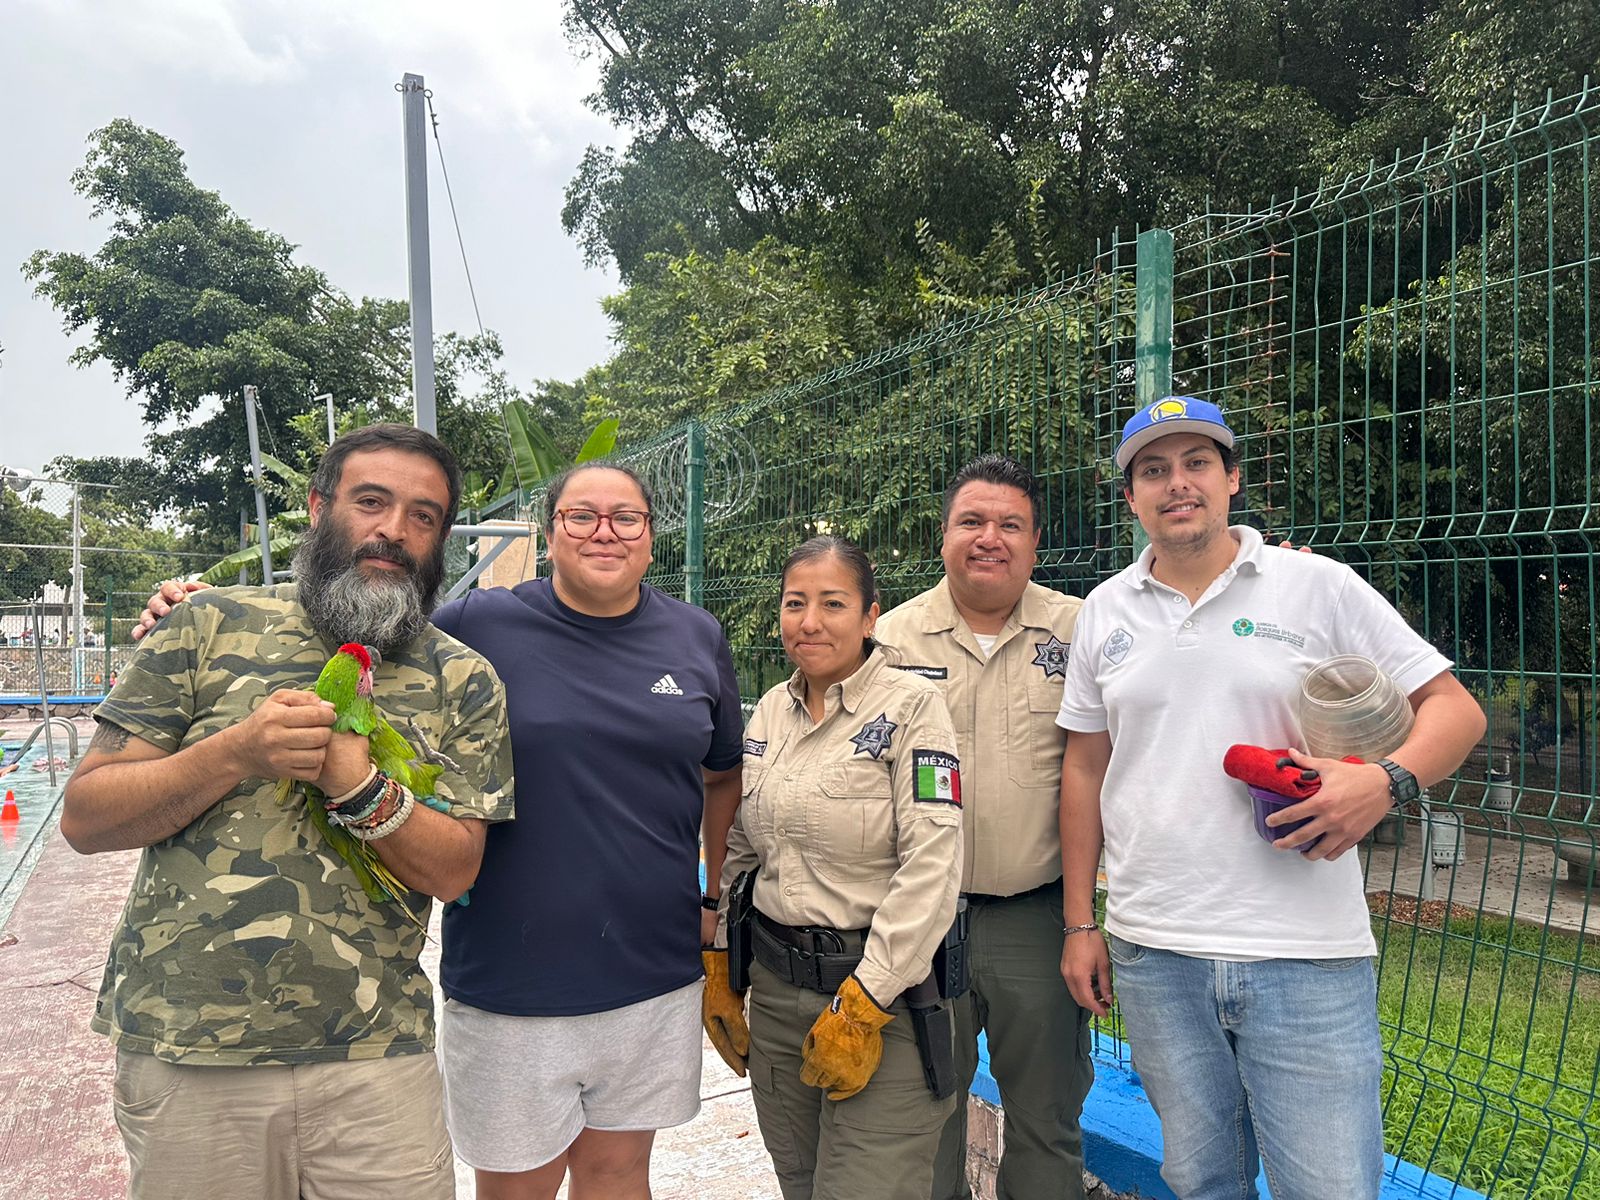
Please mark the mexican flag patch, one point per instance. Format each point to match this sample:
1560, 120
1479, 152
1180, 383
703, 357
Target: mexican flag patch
938, 777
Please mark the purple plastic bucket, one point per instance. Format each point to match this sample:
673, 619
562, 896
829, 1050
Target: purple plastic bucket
1264, 804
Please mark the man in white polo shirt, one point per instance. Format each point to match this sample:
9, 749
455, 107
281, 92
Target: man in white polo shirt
1243, 968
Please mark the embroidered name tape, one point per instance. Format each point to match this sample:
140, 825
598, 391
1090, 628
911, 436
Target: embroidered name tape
926, 672
938, 777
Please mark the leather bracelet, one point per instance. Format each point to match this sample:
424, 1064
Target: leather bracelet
710, 903
345, 797
1069, 930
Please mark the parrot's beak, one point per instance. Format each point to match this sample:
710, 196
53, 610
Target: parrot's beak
376, 657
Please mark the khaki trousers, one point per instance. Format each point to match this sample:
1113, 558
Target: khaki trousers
1038, 1052
879, 1144
371, 1129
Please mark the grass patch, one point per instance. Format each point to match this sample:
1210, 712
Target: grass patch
1491, 1029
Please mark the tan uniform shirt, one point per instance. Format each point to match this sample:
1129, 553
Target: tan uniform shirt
1003, 707
855, 820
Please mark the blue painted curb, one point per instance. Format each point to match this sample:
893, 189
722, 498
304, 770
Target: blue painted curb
1122, 1135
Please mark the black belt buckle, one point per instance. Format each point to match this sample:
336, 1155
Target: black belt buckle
805, 966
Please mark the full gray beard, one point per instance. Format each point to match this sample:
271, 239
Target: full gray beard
346, 604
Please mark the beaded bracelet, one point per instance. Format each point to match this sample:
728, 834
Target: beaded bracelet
368, 809
358, 805
401, 815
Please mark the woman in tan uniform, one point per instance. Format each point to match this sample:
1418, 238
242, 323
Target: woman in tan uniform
851, 817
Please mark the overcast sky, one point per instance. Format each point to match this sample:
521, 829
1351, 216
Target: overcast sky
287, 108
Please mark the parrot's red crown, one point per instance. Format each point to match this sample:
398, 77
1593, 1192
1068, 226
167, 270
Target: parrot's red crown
358, 652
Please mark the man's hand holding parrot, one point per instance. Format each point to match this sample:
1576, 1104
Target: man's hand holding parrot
346, 764
286, 737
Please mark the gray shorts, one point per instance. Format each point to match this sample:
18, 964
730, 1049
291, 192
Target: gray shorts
519, 1090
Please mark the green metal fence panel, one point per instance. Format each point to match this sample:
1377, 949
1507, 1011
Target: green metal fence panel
1410, 357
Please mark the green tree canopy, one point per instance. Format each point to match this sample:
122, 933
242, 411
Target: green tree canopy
188, 302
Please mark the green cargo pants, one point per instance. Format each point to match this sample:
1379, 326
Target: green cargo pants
1038, 1052
878, 1144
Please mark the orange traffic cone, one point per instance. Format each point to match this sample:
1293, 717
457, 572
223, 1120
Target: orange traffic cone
8, 812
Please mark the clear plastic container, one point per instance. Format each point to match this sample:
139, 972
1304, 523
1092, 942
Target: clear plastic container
1348, 706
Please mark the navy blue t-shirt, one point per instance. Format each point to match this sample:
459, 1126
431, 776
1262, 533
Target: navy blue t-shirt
590, 899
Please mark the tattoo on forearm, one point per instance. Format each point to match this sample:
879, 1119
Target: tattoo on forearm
110, 739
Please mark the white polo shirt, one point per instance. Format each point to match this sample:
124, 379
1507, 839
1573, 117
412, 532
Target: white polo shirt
1175, 686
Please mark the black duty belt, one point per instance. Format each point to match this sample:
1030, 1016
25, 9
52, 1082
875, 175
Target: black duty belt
985, 898
808, 956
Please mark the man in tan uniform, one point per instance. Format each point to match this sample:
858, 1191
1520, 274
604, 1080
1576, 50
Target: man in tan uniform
997, 645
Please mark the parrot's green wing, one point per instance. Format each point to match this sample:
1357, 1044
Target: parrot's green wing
399, 760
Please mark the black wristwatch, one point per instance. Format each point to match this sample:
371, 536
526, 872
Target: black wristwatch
1402, 783
710, 903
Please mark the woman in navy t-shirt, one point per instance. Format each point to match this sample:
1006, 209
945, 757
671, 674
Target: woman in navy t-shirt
571, 1029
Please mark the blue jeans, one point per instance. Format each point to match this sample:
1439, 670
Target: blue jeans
1277, 1060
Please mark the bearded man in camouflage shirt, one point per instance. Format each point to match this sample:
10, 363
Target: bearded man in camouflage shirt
274, 1029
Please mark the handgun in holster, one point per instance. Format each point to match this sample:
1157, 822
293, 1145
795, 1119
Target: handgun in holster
934, 1027
932, 1021
741, 932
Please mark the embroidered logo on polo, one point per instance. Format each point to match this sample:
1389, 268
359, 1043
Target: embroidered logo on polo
1118, 644
666, 686
875, 736
926, 672
754, 748
1245, 627
938, 777
1052, 656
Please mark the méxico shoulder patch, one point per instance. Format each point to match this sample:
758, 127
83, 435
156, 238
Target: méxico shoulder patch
938, 777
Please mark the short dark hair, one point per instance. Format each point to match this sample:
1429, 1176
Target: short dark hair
388, 436
1230, 459
552, 495
998, 469
851, 555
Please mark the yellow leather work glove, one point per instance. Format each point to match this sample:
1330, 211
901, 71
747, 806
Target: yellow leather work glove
722, 1013
844, 1047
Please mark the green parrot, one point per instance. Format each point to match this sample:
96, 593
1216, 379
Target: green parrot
346, 683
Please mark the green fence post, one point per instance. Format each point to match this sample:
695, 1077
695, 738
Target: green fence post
694, 519
1152, 330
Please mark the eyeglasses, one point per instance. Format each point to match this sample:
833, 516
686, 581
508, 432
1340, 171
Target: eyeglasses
582, 523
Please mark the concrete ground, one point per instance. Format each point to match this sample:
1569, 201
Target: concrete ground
58, 1140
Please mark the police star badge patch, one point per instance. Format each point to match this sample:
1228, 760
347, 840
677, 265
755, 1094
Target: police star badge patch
875, 736
1052, 656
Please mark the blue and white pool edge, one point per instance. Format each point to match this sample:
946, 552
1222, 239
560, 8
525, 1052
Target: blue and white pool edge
1122, 1135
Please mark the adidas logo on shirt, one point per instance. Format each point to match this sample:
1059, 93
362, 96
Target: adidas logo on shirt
666, 686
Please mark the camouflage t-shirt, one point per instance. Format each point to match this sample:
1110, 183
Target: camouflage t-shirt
245, 938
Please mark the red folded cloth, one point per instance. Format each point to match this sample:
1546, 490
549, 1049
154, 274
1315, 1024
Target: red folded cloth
1273, 771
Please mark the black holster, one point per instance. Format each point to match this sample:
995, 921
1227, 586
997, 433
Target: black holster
951, 970
934, 1027
741, 932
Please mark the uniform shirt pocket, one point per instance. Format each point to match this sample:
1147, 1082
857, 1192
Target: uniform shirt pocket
852, 816
1038, 749
754, 813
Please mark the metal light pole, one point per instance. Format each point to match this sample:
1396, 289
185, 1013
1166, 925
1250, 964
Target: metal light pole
413, 97
255, 478
77, 590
